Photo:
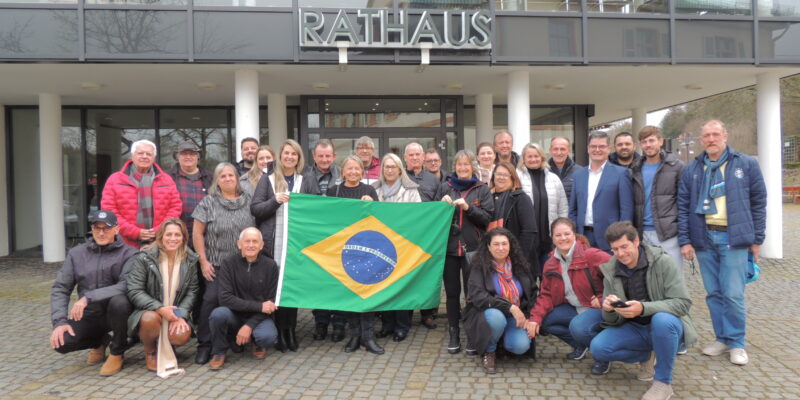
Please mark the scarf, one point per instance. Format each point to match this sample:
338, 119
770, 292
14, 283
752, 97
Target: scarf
508, 288
540, 209
144, 183
390, 191
713, 184
502, 209
462, 184
167, 362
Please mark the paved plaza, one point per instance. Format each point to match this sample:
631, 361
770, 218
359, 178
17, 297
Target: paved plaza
419, 367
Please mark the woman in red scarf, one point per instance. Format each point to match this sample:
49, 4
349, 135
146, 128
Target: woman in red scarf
501, 293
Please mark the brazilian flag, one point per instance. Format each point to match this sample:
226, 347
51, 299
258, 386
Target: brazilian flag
353, 255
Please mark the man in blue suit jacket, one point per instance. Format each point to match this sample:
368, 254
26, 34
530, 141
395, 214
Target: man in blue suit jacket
602, 193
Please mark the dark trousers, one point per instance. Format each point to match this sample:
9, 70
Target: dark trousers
330, 317
286, 318
396, 321
362, 325
209, 303
225, 324
455, 271
98, 319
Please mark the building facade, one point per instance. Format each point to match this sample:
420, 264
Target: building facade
80, 80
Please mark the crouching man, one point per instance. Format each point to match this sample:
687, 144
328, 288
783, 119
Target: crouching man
247, 289
98, 268
645, 310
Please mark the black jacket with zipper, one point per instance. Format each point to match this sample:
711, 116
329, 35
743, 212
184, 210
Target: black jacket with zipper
468, 226
244, 286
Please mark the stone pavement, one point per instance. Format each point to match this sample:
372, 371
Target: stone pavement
416, 368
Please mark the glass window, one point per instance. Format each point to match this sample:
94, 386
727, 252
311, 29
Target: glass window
243, 3
387, 113
629, 6
207, 128
214, 38
27, 191
778, 40
141, 2
346, 4
445, 4
708, 7
346, 146
778, 8
628, 38
549, 122
397, 145
75, 204
538, 37
109, 136
39, 33
714, 39
537, 5
112, 32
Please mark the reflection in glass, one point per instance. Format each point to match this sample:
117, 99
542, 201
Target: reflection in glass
632, 6
537, 5
387, 113
243, 3
779, 8
398, 145
714, 39
538, 37
549, 122
639, 38
207, 128
141, 2
346, 3
135, 32
779, 40
445, 5
214, 38
39, 33
709, 7
346, 146
109, 136
27, 191
76, 206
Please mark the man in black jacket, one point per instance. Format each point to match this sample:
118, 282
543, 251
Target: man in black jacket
561, 164
247, 288
98, 268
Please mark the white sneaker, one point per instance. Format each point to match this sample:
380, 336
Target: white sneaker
646, 368
658, 391
715, 349
739, 356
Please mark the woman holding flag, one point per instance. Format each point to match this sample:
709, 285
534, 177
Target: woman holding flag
361, 324
474, 209
271, 193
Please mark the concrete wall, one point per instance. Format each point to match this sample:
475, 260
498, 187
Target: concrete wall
27, 204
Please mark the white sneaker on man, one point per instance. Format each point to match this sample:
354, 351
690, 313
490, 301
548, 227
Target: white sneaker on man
647, 368
658, 391
715, 349
739, 356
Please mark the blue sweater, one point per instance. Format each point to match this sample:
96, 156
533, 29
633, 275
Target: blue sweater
746, 201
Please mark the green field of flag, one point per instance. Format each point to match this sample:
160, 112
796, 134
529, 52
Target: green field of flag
353, 255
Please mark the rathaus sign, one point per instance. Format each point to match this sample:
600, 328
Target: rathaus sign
469, 30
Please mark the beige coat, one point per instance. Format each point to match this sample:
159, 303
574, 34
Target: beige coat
408, 193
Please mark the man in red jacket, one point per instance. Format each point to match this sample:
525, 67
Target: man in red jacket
142, 195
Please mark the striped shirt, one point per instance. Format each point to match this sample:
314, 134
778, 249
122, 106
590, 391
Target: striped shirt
224, 220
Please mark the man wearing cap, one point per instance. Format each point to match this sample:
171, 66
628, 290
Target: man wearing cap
142, 195
191, 180
98, 268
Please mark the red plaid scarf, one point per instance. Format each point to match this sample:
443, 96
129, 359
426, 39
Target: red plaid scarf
508, 289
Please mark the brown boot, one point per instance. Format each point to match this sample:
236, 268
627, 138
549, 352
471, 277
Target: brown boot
489, 363
151, 361
98, 354
259, 352
217, 361
112, 365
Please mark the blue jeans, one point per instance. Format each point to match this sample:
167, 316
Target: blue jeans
225, 323
724, 270
632, 342
515, 340
585, 326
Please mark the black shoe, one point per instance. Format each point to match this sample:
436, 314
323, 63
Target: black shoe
291, 340
470, 349
280, 345
577, 353
383, 333
400, 336
236, 348
372, 347
338, 334
352, 345
454, 346
203, 355
428, 322
601, 367
320, 331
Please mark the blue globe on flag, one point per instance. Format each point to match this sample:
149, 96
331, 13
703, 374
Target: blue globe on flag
369, 257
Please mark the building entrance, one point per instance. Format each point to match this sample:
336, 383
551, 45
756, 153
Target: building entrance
391, 123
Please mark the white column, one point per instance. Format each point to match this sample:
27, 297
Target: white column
484, 118
639, 120
519, 108
52, 185
770, 150
5, 234
246, 107
276, 113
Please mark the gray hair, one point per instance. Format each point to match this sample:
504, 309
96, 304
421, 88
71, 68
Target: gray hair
214, 189
139, 143
405, 150
599, 135
569, 143
503, 132
538, 149
250, 229
364, 140
473, 161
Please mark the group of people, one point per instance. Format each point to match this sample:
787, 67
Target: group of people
592, 255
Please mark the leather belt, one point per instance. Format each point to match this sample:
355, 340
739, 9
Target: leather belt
717, 228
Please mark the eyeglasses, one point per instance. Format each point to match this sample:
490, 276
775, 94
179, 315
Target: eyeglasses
433, 161
101, 228
502, 175
390, 167
598, 147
